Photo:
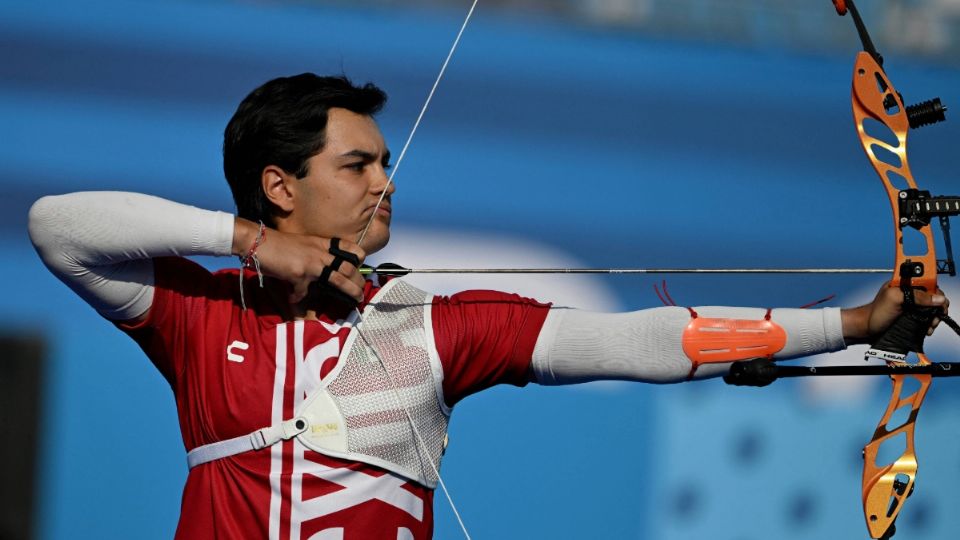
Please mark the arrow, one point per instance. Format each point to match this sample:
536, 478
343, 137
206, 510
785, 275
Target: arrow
389, 269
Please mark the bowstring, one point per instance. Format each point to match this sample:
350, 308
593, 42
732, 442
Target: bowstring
416, 124
363, 234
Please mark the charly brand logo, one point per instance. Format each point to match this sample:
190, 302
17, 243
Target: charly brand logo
236, 345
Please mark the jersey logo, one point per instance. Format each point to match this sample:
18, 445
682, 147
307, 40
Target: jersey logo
234, 357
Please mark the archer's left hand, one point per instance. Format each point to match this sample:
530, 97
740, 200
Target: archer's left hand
866, 323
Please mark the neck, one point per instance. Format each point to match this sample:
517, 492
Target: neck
315, 305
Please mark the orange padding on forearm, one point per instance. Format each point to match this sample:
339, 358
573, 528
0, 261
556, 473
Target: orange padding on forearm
711, 341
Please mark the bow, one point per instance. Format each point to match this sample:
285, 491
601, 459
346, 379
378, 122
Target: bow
882, 121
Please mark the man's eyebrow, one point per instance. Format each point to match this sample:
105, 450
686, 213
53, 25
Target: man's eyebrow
367, 157
362, 154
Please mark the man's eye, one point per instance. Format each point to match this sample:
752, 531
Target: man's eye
387, 166
357, 166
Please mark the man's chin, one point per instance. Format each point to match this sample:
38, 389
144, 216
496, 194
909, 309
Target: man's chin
375, 242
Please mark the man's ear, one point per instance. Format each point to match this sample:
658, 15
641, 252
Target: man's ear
277, 187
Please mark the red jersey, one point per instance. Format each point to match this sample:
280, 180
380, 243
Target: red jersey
234, 371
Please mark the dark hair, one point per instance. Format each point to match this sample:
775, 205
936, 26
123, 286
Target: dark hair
283, 123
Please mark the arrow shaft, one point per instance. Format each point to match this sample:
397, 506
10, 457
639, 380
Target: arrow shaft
405, 271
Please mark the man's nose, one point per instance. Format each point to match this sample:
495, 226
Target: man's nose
383, 183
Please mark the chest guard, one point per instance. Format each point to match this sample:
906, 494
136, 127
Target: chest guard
389, 376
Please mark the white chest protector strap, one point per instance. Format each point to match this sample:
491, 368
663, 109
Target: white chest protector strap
360, 410
257, 440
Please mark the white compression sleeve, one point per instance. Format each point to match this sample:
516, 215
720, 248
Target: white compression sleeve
578, 346
101, 243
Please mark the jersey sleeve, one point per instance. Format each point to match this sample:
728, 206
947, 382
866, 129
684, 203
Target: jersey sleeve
181, 289
485, 338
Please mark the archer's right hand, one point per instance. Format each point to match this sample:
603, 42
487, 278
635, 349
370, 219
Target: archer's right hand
300, 259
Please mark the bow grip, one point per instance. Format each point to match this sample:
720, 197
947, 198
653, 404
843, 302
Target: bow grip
906, 334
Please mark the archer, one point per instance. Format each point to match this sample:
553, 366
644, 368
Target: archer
296, 373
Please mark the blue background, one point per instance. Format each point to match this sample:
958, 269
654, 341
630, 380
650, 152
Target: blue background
607, 147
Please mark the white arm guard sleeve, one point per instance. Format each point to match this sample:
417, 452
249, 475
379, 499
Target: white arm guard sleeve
578, 346
101, 243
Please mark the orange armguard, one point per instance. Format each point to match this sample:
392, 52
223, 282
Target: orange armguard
714, 341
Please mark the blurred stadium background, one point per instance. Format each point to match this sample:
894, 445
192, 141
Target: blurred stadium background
646, 133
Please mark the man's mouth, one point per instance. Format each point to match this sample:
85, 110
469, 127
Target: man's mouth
382, 210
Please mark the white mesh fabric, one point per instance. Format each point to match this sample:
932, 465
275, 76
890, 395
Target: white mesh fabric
392, 333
